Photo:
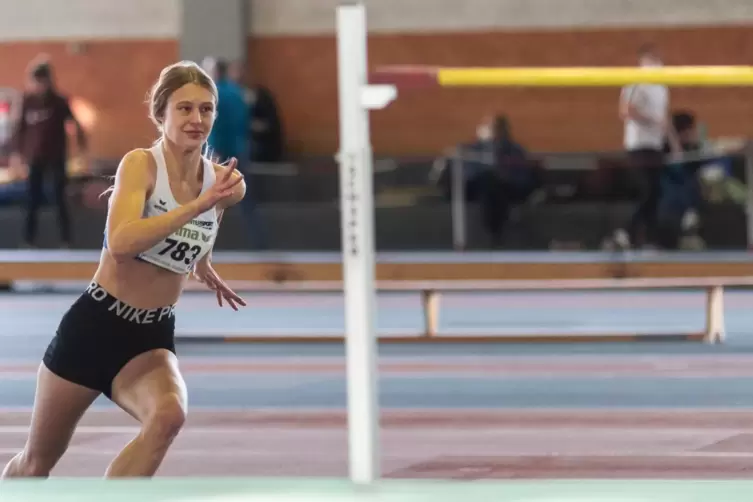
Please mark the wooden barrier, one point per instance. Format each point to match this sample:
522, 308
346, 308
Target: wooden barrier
431, 293
431, 274
43, 265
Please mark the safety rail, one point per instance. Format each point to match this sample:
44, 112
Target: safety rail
431, 298
431, 294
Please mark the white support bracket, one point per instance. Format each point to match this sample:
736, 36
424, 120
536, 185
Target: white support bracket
378, 96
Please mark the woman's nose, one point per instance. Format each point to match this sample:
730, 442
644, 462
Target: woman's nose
195, 117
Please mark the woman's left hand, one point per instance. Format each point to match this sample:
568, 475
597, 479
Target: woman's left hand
206, 275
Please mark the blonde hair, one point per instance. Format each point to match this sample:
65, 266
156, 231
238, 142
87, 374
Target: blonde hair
172, 78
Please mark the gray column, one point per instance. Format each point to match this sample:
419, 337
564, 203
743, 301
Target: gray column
213, 28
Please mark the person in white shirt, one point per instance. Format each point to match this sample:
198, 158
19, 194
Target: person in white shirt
645, 111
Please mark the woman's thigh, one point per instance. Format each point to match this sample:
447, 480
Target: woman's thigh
150, 381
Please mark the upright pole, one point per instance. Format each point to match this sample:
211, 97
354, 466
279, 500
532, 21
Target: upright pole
357, 220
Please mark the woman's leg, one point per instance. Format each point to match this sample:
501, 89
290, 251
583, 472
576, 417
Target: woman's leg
151, 389
58, 407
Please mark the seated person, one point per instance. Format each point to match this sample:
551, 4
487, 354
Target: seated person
510, 182
476, 158
680, 194
497, 172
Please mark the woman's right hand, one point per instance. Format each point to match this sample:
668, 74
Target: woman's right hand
223, 187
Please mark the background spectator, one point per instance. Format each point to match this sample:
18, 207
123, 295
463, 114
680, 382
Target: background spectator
644, 109
40, 141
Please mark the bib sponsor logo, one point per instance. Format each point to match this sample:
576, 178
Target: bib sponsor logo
193, 235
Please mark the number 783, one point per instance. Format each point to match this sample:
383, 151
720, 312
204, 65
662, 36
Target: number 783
180, 250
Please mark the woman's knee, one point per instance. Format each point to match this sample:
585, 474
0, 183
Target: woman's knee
166, 419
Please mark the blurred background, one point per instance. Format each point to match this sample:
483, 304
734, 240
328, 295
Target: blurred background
526, 173
535, 169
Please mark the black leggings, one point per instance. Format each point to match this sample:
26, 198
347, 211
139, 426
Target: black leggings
35, 195
647, 164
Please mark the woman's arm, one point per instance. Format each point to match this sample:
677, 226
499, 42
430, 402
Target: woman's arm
239, 191
128, 232
205, 273
207, 258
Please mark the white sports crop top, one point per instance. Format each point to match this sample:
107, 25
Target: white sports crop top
180, 251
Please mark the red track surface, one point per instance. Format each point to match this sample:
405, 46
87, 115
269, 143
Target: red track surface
429, 444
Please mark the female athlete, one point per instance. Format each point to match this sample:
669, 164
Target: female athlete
117, 339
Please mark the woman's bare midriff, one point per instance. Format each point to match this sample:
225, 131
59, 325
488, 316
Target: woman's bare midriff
139, 284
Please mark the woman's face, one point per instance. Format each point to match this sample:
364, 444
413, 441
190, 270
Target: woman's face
189, 116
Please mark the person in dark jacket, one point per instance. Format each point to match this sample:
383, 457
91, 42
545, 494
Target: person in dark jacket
508, 182
40, 141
